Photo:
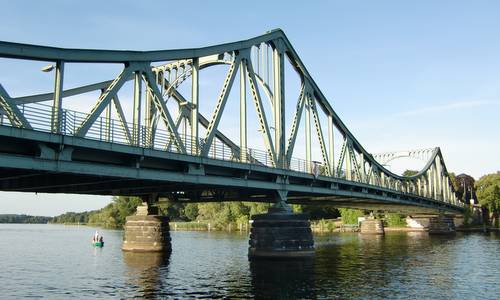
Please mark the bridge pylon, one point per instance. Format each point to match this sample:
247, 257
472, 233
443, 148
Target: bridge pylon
280, 233
146, 231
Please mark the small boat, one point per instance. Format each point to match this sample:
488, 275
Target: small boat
98, 244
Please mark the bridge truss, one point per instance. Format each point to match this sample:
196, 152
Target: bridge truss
166, 131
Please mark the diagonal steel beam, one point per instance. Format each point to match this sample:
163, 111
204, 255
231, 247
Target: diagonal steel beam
180, 117
219, 107
122, 118
204, 121
343, 151
161, 107
15, 116
319, 131
352, 156
295, 123
105, 99
260, 111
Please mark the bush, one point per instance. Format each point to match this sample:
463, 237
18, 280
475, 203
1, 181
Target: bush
395, 220
350, 216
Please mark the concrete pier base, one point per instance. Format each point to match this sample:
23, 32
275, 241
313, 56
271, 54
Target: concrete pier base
441, 225
372, 226
281, 235
434, 224
146, 233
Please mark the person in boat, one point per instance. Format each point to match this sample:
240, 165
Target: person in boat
101, 240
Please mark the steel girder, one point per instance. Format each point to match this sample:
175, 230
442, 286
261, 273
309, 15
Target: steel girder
360, 166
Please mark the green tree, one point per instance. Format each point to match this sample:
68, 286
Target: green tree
409, 173
395, 220
350, 216
488, 194
191, 211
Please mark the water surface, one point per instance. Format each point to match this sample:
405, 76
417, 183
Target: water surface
58, 262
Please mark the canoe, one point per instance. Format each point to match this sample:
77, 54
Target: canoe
98, 244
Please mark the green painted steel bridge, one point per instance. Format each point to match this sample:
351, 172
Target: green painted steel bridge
146, 133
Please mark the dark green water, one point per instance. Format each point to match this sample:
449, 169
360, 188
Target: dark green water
57, 262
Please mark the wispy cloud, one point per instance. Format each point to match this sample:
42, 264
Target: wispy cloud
447, 107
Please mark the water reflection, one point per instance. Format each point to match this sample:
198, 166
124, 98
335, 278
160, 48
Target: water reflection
146, 270
283, 279
409, 265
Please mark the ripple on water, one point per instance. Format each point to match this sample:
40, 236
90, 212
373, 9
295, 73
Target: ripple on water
58, 262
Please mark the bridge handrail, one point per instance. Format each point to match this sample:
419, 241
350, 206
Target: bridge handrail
38, 114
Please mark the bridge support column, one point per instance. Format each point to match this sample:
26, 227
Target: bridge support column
146, 231
441, 224
281, 234
434, 224
372, 226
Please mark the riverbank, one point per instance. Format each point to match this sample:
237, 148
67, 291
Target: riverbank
317, 226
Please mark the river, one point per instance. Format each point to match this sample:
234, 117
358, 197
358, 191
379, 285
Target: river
58, 262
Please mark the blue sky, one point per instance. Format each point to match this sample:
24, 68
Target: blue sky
400, 74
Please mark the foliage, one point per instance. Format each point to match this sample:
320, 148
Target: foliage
324, 225
318, 212
222, 215
453, 179
465, 189
488, 194
72, 218
23, 219
395, 220
409, 173
350, 216
191, 211
111, 216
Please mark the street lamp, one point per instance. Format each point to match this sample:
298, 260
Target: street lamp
48, 68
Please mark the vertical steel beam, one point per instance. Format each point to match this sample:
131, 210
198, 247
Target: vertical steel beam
331, 144
57, 104
279, 103
136, 121
348, 160
419, 186
243, 111
149, 114
108, 123
195, 94
362, 172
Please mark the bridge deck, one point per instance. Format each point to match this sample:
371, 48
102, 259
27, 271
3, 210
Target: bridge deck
35, 161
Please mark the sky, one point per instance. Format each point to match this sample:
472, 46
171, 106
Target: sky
400, 74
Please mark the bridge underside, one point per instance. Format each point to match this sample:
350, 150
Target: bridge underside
42, 162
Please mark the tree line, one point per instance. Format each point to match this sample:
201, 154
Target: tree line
222, 214
23, 219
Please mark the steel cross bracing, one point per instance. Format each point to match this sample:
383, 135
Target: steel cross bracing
160, 77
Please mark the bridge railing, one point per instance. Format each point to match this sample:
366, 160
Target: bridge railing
115, 131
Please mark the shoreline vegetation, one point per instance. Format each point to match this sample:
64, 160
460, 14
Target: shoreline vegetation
233, 216
23, 219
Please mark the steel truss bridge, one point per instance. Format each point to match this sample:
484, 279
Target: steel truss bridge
167, 147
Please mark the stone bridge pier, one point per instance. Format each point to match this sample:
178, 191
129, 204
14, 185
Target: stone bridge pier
434, 224
146, 231
281, 234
